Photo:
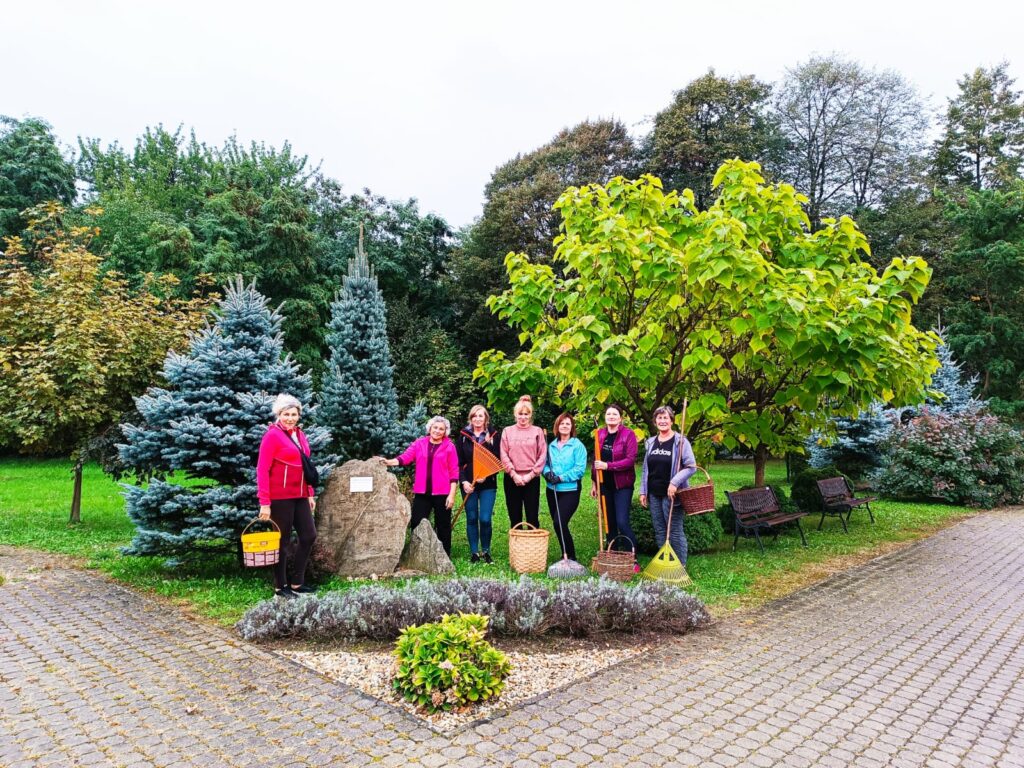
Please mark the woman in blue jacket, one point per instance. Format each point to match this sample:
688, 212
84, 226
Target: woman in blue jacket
563, 470
659, 482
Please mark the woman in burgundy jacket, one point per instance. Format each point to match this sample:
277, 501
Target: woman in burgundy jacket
436, 479
617, 462
283, 494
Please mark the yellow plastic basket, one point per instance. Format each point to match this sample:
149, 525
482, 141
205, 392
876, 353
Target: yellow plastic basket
262, 548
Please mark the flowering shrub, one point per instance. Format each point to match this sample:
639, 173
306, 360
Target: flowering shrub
971, 458
522, 608
448, 664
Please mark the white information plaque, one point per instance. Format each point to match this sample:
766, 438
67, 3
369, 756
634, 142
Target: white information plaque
360, 485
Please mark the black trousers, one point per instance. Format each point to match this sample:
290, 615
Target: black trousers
288, 514
422, 505
563, 505
520, 498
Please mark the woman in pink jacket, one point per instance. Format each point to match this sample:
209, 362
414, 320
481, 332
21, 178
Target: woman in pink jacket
284, 496
436, 480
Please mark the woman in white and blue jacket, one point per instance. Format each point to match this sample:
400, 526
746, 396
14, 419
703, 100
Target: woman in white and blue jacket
659, 481
563, 470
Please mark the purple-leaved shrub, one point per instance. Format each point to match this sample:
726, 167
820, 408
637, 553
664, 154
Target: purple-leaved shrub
971, 458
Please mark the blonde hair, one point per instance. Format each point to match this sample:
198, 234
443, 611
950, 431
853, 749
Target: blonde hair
283, 402
479, 409
525, 404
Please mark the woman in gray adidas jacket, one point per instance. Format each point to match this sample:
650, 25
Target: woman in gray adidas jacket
659, 482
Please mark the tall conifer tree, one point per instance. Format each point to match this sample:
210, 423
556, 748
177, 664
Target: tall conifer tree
360, 404
206, 427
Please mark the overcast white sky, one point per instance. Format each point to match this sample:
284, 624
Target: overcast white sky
426, 99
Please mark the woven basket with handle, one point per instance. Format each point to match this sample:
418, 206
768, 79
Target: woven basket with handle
528, 548
618, 566
698, 499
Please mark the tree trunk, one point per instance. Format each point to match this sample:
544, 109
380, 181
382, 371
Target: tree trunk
760, 462
76, 494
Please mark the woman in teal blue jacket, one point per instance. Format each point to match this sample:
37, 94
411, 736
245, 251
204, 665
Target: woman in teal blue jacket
563, 471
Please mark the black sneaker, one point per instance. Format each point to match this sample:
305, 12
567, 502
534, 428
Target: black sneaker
285, 593
305, 589
474, 558
487, 558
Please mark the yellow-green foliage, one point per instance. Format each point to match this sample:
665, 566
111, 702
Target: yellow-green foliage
448, 664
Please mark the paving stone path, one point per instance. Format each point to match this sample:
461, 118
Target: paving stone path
914, 659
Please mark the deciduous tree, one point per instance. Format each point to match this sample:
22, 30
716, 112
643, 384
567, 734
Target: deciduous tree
983, 139
76, 343
740, 308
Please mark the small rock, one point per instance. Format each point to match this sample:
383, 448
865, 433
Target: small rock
425, 553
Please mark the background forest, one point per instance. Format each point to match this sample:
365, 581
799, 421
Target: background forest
153, 231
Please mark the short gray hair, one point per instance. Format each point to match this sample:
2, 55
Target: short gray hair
283, 402
440, 420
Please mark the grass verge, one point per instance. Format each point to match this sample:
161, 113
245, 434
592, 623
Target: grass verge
35, 497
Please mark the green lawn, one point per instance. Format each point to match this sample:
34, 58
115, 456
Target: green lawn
35, 497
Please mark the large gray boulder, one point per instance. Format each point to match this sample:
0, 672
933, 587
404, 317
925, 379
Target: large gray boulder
425, 554
362, 533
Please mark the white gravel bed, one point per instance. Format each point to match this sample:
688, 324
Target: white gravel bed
532, 675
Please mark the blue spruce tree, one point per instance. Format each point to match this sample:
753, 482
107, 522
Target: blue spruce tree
206, 427
858, 448
360, 404
957, 393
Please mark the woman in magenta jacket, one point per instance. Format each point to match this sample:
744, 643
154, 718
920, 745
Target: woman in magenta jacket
436, 480
283, 494
617, 462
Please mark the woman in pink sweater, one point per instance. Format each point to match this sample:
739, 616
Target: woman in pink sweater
523, 452
436, 480
283, 494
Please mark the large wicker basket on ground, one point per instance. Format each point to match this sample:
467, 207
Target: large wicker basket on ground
528, 548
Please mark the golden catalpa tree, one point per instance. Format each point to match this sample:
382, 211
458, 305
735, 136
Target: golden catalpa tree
763, 325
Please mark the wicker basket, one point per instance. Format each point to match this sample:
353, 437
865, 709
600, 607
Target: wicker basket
699, 499
618, 566
262, 548
528, 548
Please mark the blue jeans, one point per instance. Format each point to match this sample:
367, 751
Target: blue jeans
659, 517
617, 504
479, 511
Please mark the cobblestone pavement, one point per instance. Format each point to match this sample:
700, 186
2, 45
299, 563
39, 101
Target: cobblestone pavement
914, 659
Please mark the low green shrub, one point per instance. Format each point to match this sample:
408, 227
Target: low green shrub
517, 609
702, 531
805, 487
448, 664
973, 459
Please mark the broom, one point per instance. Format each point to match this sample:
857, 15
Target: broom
666, 565
602, 509
485, 464
565, 568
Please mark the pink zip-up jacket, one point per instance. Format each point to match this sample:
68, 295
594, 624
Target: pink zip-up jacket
279, 467
445, 467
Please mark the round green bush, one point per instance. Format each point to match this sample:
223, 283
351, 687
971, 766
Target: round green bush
805, 487
702, 531
448, 664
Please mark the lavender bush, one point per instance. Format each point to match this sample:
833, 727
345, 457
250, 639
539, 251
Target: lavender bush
515, 609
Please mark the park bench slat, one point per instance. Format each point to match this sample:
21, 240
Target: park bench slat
838, 499
757, 511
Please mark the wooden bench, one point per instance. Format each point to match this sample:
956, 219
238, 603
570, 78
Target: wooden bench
757, 511
837, 499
